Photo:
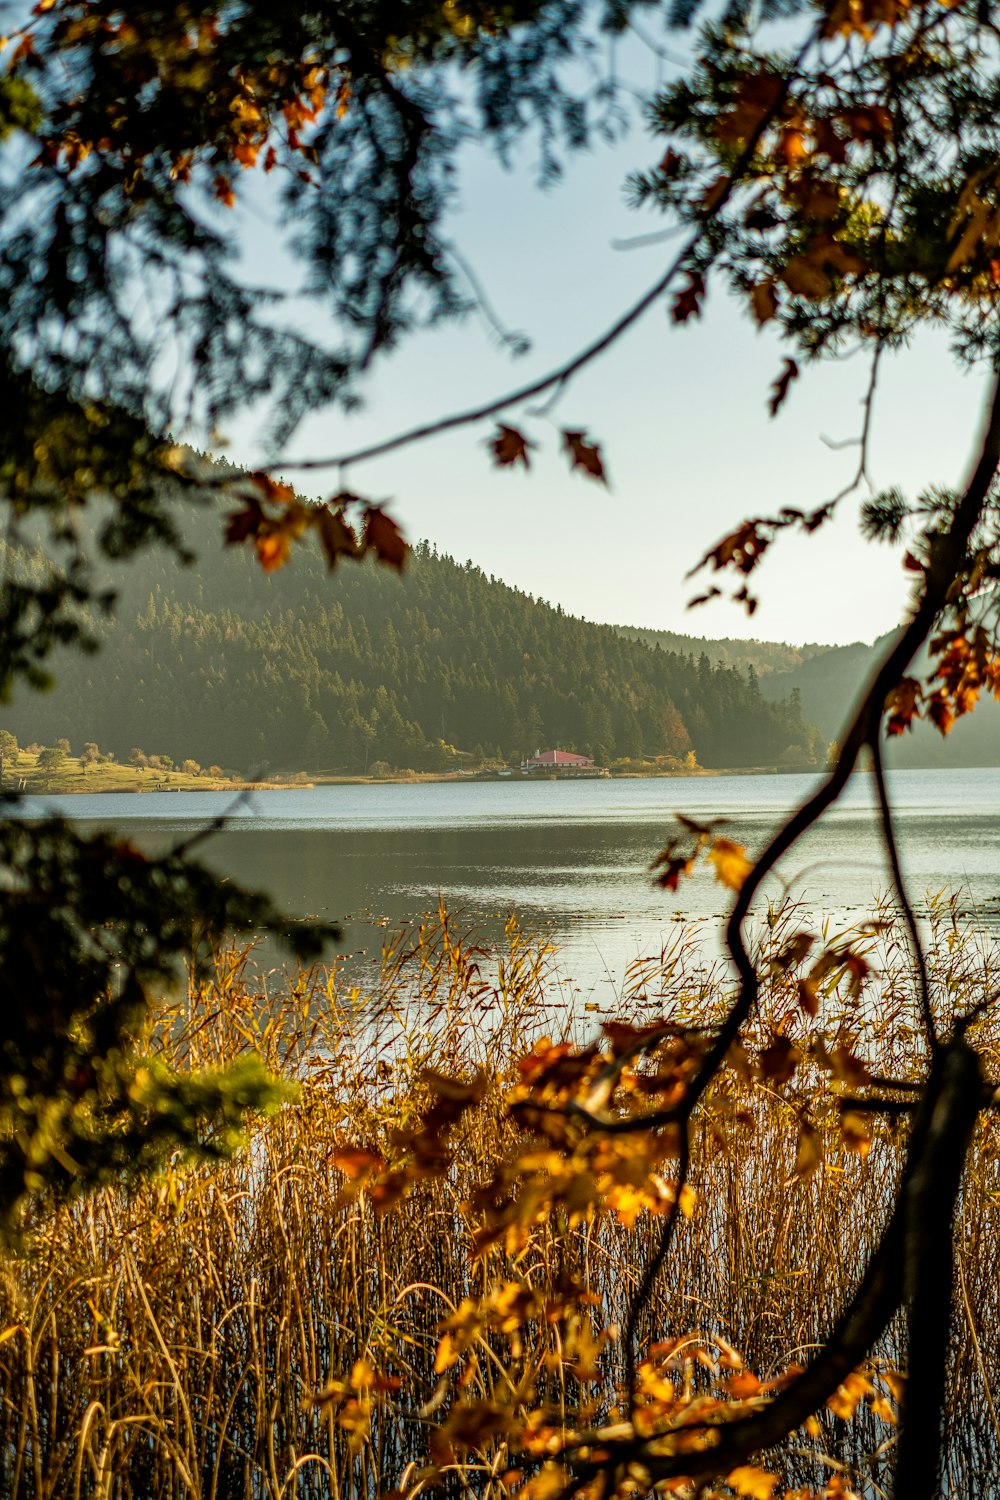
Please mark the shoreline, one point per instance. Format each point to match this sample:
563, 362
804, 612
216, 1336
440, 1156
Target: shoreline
413, 778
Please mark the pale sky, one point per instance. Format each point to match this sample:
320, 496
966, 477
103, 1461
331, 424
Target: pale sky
680, 413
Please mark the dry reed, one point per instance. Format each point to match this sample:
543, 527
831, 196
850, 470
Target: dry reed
170, 1342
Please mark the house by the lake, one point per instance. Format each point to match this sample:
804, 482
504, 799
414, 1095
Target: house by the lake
562, 763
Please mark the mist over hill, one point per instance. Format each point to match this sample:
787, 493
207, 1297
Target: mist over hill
829, 684
301, 670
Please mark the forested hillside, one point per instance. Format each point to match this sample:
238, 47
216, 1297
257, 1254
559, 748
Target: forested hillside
301, 670
766, 657
829, 685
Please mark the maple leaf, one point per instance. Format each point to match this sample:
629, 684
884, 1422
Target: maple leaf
336, 538
731, 864
779, 390
764, 301
687, 303
855, 1132
792, 952
272, 489
244, 523
510, 447
356, 1161
584, 455
903, 705
223, 190
809, 1152
756, 1484
273, 549
668, 868
384, 538
849, 1394
779, 1061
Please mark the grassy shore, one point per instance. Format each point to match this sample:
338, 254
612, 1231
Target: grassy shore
260, 1328
23, 773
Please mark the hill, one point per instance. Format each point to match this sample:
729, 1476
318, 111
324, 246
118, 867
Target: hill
298, 670
766, 657
828, 685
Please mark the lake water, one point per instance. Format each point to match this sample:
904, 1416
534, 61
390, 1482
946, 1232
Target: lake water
571, 858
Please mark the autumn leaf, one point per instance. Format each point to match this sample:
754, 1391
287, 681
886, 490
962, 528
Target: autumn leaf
731, 864
687, 303
742, 1385
778, 1061
779, 390
223, 190
903, 705
792, 952
584, 455
244, 523
384, 538
336, 537
272, 489
273, 549
668, 868
511, 447
356, 1161
849, 1394
855, 1132
764, 301
809, 1153
756, 1484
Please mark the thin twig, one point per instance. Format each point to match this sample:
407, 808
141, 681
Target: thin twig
572, 367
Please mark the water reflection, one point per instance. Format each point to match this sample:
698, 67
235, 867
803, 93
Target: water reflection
570, 858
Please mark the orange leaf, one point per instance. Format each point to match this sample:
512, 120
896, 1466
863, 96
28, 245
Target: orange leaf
355, 1161
273, 549
272, 489
223, 189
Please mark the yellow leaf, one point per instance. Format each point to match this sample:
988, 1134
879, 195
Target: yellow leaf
731, 864
688, 1200
758, 1484
848, 1395
548, 1483
810, 1151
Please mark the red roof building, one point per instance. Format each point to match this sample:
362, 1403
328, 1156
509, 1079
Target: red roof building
547, 759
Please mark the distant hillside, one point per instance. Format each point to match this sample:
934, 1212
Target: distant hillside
301, 670
829, 684
766, 657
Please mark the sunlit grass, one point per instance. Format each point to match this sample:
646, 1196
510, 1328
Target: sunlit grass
174, 1342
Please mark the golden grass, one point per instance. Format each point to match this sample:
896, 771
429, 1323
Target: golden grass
172, 1342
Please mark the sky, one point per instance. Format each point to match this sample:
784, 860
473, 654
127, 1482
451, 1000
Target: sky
680, 413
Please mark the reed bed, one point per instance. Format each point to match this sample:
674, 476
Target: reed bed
177, 1340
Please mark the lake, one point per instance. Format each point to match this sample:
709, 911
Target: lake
572, 857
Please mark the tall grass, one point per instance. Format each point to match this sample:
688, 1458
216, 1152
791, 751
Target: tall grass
178, 1341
